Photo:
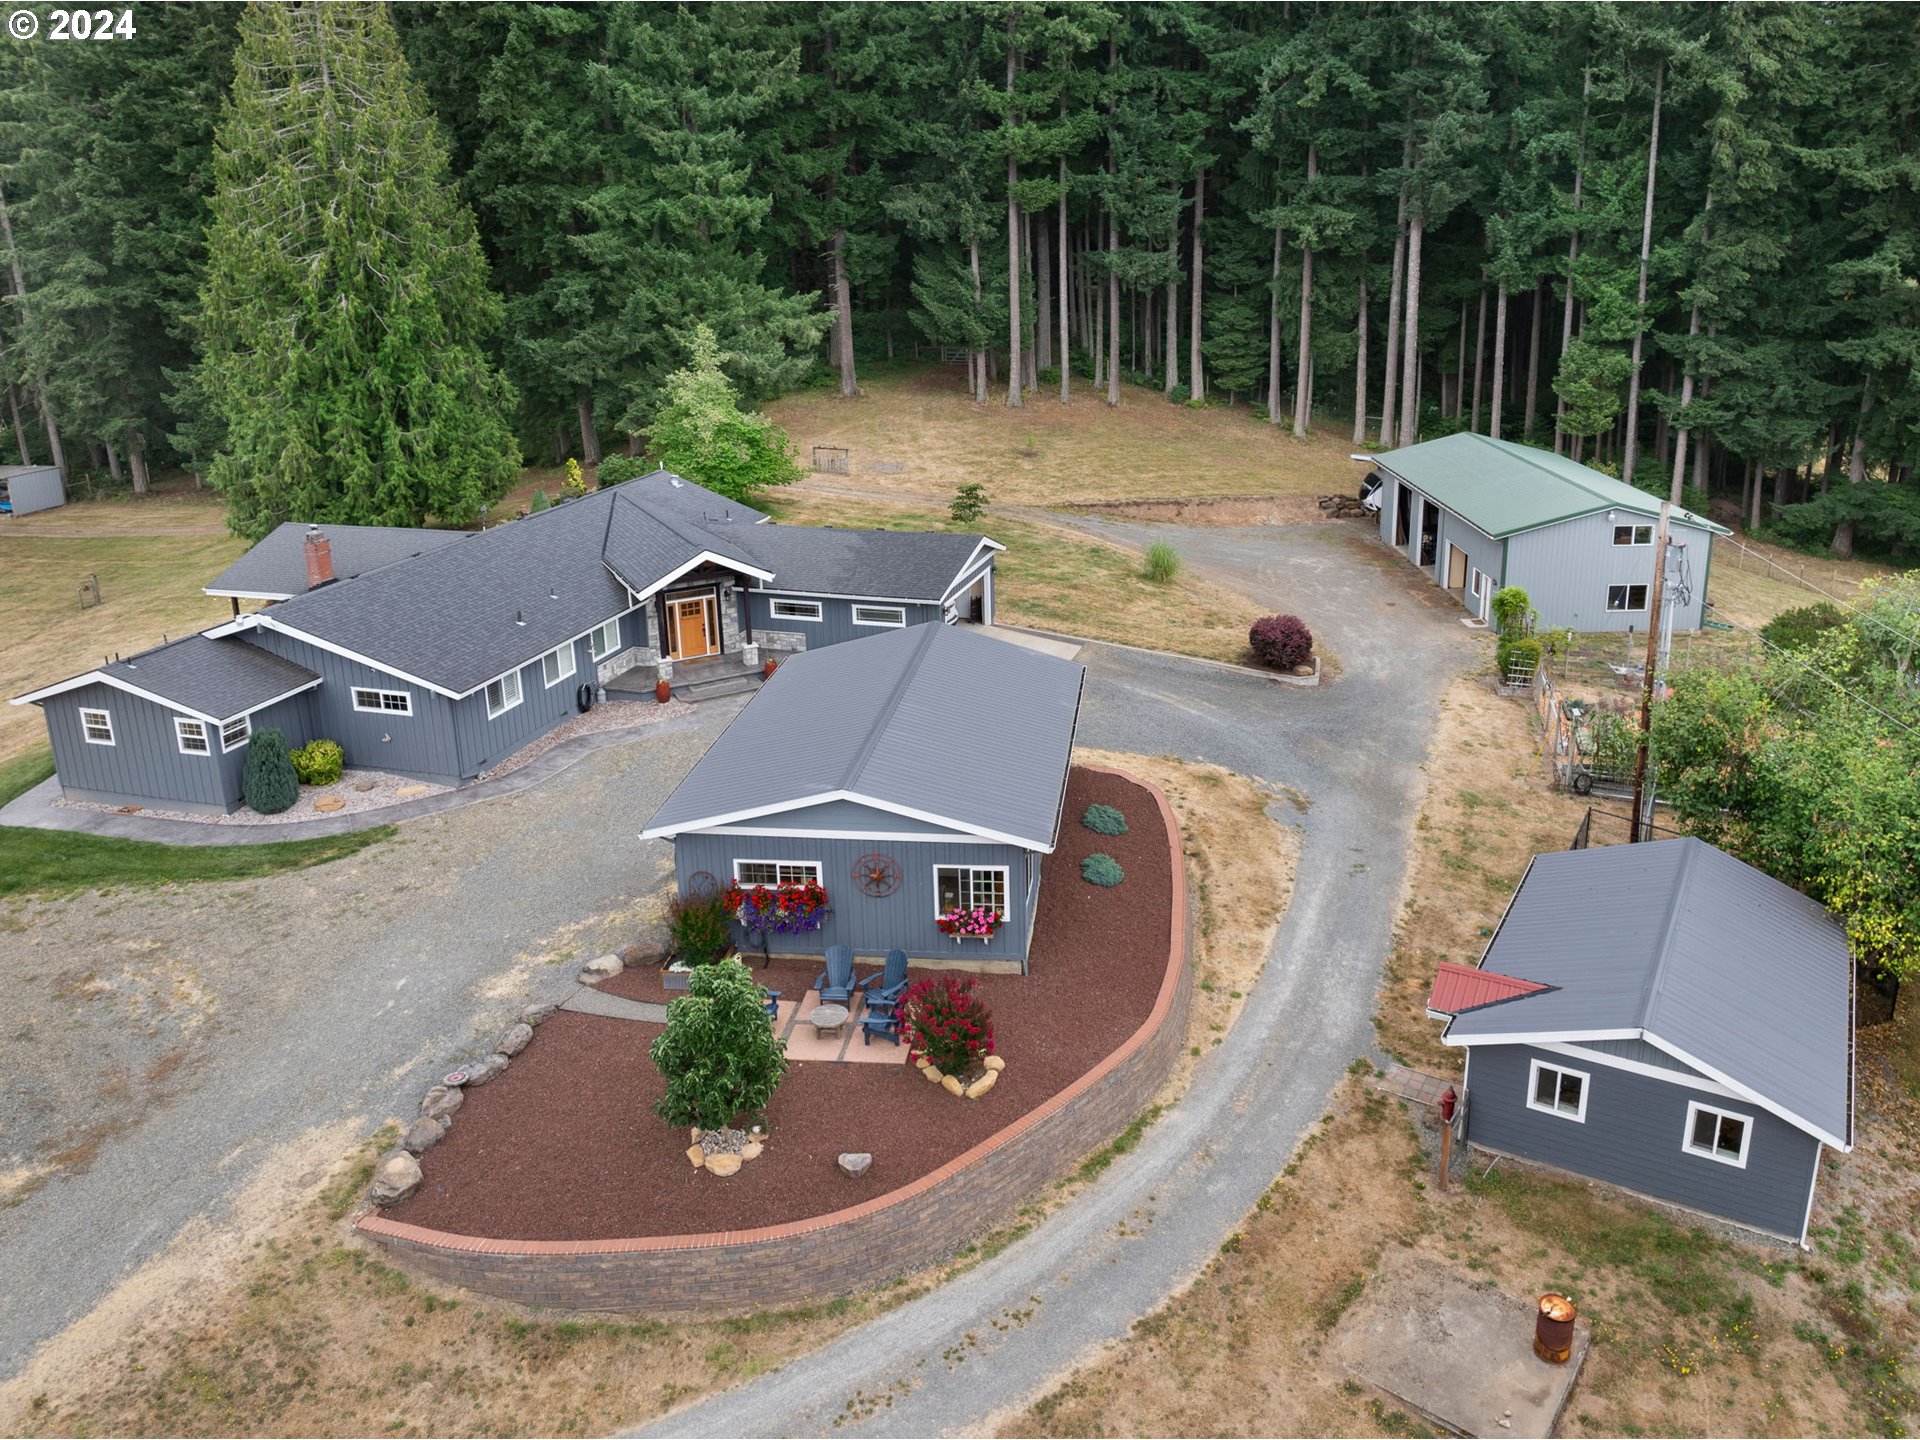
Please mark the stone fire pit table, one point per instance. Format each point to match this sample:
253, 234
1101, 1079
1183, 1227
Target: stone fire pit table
827, 1019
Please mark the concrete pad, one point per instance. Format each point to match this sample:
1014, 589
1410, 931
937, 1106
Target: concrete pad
1459, 1352
1059, 649
804, 1044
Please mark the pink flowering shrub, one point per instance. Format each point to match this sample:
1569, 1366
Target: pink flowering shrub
943, 1021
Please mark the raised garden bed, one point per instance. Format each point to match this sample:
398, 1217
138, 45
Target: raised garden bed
565, 1147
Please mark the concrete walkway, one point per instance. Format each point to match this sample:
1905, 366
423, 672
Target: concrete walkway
586, 1000
35, 809
1159, 1214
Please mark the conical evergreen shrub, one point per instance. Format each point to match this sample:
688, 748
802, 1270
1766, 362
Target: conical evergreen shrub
271, 785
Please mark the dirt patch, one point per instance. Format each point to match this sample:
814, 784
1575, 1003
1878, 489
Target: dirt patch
1213, 510
565, 1145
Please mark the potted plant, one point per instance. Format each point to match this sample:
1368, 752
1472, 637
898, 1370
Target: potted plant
778, 909
766, 670
663, 690
968, 923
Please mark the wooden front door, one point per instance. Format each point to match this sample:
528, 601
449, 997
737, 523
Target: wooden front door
1456, 568
695, 628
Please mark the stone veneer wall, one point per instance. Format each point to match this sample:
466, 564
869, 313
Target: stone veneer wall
806, 1261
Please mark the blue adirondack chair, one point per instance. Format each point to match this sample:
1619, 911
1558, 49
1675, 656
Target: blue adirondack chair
880, 1022
885, 989
771, 999
836, 984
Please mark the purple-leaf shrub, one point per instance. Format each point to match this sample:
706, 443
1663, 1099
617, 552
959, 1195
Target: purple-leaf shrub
1280, 641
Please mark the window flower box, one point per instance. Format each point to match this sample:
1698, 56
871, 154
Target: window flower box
778, 909
968, 923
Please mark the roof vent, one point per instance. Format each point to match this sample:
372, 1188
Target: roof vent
552, 594
675, 481
519, 617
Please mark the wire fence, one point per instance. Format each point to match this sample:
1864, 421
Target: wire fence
1826, 578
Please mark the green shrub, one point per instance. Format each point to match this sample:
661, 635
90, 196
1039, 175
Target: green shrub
719, 1055
969, 503
1102, 870
698, 929
1512, 610
1104, 820
1523, 650
1798, 629
618, 469
1163, 562
318, 762
271, 785
539, 502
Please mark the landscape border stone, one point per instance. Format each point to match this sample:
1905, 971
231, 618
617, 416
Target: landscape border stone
811, 1260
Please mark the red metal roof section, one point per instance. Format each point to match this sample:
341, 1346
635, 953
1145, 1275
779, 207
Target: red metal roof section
1459, 988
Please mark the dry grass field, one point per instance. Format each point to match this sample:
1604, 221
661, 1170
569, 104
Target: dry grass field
915, 434
1696, 1332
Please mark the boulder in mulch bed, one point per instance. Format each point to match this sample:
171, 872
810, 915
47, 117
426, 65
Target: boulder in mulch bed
723, 1165
993, 1062
514, 1039
441, 1102
856, 1163
982, 1085
639, 955
603, 968
395, 1178
423, 1135
483, 1071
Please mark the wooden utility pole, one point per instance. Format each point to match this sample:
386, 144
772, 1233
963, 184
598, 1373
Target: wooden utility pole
1646, 690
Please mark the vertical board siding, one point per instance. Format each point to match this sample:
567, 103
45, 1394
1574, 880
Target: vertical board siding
1632, 1137
144, 765
872, 925
481, 742
835, 624
419, 746
1566, 569
1484, 553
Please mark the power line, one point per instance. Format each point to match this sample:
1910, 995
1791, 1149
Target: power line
1842, 602
1818, 674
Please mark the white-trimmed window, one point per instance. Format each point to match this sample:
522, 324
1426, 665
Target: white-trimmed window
1633, 534
603, 640
384, 702
503, 694
776, 872
1717, 1134
96, 726
892, 617
236, 733
794, 609
192, 735
557, 664
1626, 597
970, 887
1557, 1090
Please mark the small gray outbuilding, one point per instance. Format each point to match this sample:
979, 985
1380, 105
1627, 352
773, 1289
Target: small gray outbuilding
1666, 1019
27, 488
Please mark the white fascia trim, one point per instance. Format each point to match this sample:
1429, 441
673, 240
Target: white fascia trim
972, 560
939, 837
836, 595
704, 557
1749, 1094
257, 618
536, 659
313, 684
969, 575
1542, 1038
707, 822
244, 594
100, 677
1637, 1067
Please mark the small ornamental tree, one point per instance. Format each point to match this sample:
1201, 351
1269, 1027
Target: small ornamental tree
969, 503
271, 785
719, 1054
944, 1022
1280, 641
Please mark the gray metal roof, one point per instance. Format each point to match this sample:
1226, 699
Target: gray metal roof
218, 679
1741, 977
934, 721
894, 564
276, 568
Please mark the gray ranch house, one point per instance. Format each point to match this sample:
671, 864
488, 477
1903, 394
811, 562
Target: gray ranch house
1476, 514
436, 655
1666, 1019
910, 774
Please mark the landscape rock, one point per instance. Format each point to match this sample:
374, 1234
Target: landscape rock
395, 1178
932, 1072
330, 804
637, 955
441, 1102
482, 1071
994, 1062
752, 1152
514, 1039
723, 1165
856, 1162
697, 1156
1303, 669
694, 1134
534, 1014
604, 968
422, 1136
951, 1084
410, 792
365, 787
982, 1085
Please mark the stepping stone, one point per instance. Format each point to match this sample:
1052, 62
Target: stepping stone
330, 804
365, 787
410, 792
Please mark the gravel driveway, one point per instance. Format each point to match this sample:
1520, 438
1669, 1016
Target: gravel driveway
973, 1353
166, 1050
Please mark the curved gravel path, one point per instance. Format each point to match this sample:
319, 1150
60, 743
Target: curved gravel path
986, 1344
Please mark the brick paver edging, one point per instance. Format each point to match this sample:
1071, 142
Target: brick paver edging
804, 1261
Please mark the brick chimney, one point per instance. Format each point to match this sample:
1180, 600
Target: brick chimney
319, 558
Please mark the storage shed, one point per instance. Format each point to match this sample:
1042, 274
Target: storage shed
1663, 1018
1476, 514
27, 488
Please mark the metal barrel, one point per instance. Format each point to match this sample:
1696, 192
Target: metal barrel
1553, 1329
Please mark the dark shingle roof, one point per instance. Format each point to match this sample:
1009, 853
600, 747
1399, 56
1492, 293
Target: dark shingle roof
217, 678
276, 568
883, 564
1679, 943
970, 732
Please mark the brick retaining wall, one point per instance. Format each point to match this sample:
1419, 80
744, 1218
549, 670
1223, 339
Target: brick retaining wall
806, 1261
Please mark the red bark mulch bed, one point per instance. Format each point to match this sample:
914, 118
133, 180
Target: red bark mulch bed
565, 1145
